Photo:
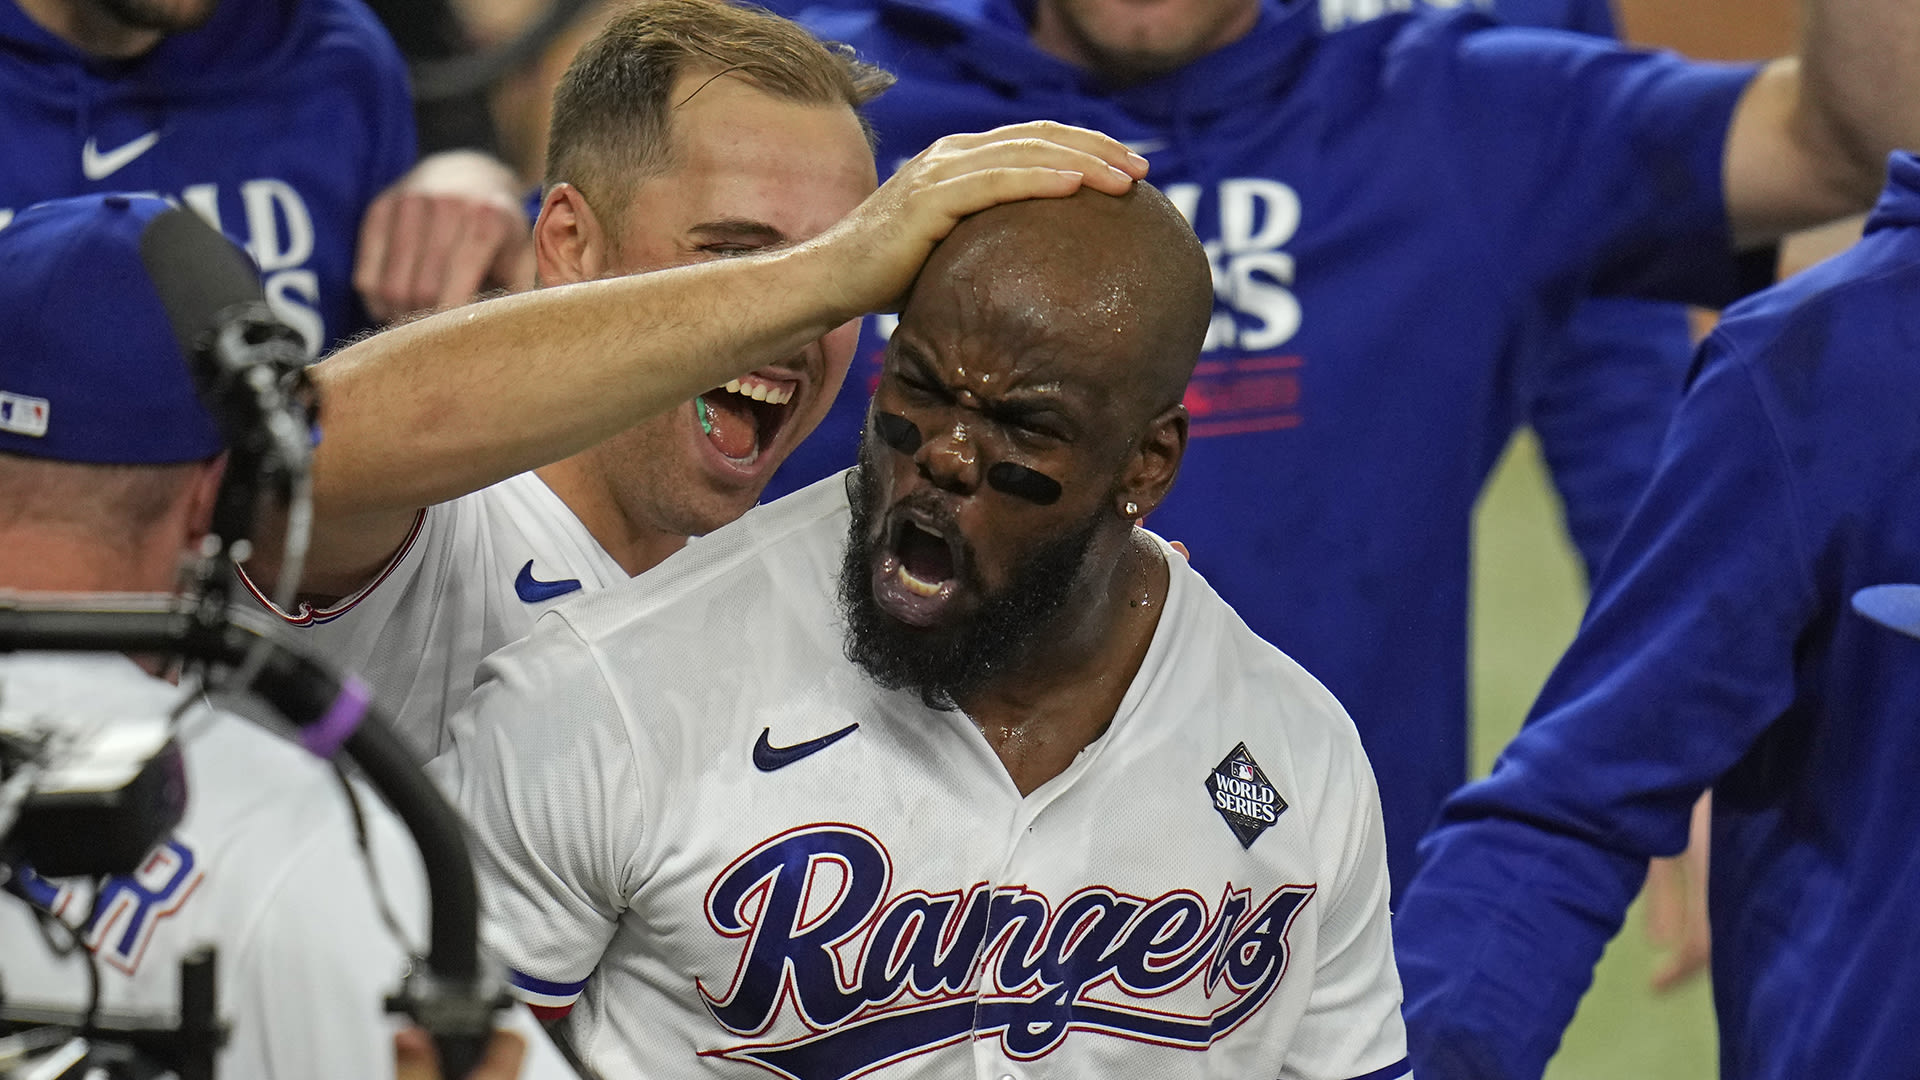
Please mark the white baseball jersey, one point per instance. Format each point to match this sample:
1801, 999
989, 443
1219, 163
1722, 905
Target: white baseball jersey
471, 577
745, 859
264, 866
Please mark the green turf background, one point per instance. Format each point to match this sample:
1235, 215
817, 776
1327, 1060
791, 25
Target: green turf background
1527, 597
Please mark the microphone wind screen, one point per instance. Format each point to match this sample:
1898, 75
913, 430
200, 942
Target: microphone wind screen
198, 273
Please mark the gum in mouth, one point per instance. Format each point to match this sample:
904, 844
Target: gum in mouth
742, 416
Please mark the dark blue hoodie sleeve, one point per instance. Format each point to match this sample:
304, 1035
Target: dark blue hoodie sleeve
1598, 167
1601, 409
375, 66
1685, 658
390, 97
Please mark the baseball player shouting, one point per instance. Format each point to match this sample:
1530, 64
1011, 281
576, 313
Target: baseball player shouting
654, 407
941, 767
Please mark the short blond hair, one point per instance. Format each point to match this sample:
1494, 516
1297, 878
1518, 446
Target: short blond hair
612, 117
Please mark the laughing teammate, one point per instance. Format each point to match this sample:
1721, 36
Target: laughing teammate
1045, 806
686, 132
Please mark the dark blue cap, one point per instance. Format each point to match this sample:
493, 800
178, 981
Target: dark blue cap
1896, 607
91, 369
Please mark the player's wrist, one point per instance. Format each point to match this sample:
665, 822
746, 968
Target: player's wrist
824, 280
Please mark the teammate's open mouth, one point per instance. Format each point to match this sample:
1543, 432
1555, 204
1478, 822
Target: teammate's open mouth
744, 416
918, 571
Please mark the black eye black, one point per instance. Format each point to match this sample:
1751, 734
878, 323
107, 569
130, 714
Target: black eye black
1022, 482
897, 431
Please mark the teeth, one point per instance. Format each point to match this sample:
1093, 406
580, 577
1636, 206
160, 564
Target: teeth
916, 586
772, 395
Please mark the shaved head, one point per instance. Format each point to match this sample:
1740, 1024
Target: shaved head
1028, 411
1121, 281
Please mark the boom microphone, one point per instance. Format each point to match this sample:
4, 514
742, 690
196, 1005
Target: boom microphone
239, 352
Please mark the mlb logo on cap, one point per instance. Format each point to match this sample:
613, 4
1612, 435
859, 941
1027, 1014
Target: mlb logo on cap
23, 415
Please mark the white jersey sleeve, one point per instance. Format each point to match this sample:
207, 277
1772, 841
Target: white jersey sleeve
392, 630
472, 576
545, 771
1352, 1029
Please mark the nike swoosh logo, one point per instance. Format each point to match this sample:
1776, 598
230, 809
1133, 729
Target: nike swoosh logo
99, 166
768, 757
533, 591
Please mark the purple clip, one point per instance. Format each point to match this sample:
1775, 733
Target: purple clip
326, 736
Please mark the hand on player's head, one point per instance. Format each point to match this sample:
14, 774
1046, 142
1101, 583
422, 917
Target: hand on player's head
881, 245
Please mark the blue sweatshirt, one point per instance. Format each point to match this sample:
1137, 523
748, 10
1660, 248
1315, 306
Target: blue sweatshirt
278, 121
1721, 651
1401, 216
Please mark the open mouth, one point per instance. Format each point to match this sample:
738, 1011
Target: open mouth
745, 416
916, 577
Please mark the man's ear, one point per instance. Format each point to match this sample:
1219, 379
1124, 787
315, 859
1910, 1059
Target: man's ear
203, 488
569, 243
1155, 461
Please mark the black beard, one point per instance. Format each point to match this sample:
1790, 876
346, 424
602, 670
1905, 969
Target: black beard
943, 664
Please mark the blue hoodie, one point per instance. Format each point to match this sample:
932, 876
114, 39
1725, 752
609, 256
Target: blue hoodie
278, 121
1401, 216
1721, 651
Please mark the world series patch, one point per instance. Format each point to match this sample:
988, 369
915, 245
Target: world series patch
1243, 795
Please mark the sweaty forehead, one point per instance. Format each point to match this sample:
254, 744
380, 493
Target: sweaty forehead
1029, 308
1108, 291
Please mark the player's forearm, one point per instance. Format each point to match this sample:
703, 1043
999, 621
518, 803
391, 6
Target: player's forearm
437, 408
